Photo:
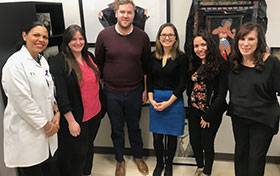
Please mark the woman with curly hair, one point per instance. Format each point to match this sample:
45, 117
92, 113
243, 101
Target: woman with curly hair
254, 109
206, 89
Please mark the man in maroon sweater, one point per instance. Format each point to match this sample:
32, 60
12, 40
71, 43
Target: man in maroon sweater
122, 52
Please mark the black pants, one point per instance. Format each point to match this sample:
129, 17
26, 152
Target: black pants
121, 108
252, 141
73, 163
93, 129
46, 168
202, 140
169, 150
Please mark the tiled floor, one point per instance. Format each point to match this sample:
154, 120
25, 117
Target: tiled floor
104, 165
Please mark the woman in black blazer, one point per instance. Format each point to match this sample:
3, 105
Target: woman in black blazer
78, 94
206, 89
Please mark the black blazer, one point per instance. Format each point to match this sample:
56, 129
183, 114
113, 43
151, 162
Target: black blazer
68, 93
217, 89
68, 96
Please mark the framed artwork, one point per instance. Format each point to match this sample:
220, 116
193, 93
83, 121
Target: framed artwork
184, 153
222, 19
223, 2
223, 26
223, 29
45, 18
158, 12
275, 51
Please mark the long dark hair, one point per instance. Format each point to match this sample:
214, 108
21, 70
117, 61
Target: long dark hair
175, 51
236, 57
27, 30
212, 60
69, 57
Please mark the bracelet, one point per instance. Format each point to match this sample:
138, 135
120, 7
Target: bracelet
50, 129
56, 111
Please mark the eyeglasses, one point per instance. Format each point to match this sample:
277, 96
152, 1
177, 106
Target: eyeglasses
167, 35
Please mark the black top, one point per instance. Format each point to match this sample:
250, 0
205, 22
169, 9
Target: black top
216, 91
170, 77
253, 93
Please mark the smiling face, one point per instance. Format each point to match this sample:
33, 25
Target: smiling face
200, 47
167, 37
125, 15
77, 43
36, 40
248, 44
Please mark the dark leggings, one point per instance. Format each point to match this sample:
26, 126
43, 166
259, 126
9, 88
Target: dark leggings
202, 140
159, 148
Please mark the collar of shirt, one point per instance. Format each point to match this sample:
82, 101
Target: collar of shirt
117, 30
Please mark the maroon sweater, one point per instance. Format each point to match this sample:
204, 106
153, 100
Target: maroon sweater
123, 60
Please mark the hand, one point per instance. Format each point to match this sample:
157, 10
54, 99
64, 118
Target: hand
146, 12
100, 15
144, 96
56, 119
162, 105
154, 104
204, 124
74, 128
50, 129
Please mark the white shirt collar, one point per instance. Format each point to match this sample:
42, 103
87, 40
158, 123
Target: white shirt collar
117, 30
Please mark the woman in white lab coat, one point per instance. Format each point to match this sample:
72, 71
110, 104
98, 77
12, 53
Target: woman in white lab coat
30, 125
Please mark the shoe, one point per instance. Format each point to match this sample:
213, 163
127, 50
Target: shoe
141, 165
158, 170
198, 172
120, 169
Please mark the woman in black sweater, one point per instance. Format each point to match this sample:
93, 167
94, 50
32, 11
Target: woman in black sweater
166, 82
254, 109
206, 89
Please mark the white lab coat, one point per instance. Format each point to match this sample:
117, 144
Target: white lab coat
30, 91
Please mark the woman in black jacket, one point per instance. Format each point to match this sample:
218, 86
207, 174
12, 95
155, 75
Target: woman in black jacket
206, 89
76, 78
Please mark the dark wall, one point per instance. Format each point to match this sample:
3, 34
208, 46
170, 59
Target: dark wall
13, 19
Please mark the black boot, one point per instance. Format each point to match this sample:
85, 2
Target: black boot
159, 149
168, 171
158, 169
171, 149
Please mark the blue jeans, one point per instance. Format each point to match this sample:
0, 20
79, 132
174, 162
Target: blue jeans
125, 107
